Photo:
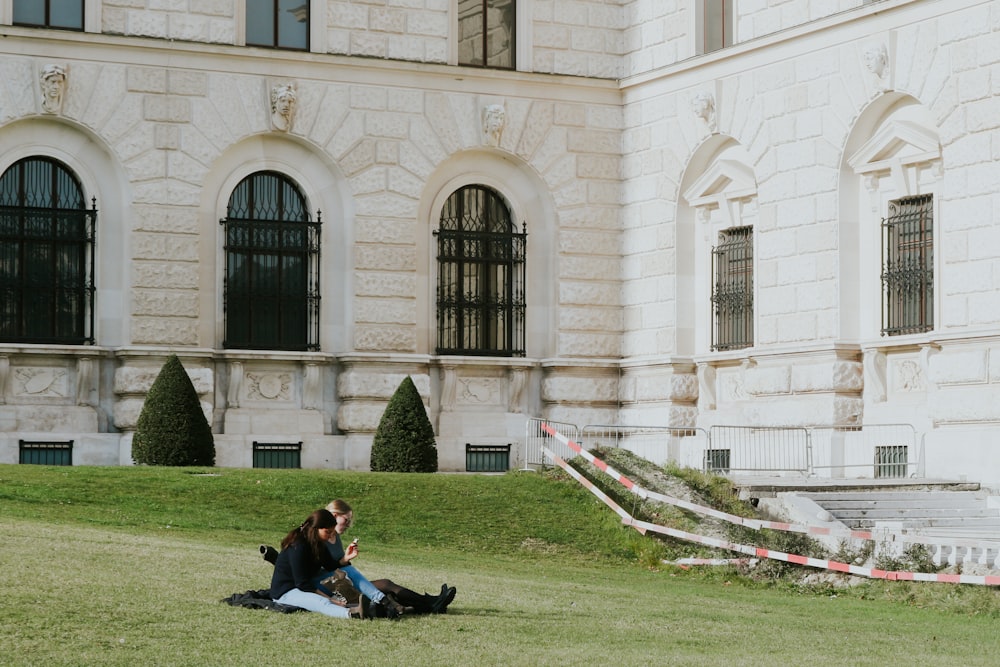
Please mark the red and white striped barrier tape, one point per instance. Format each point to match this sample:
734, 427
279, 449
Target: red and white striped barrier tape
758, 552
905, 537
753, 524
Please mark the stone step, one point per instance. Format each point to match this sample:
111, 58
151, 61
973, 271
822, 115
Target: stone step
947, 511
989, 527
848, 504
898, 496
966, 523
889, 514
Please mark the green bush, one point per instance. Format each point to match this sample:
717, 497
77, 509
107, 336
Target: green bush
404, 441
172, 429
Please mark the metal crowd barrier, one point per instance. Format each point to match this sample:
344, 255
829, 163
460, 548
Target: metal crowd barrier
535, 438
862, 451
758, 449
658, 444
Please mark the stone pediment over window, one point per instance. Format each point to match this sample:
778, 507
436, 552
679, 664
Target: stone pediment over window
723, 180
897, 144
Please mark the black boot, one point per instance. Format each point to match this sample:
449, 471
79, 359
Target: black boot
440, 604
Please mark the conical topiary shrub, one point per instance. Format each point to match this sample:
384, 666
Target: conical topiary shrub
404, 441
172, 429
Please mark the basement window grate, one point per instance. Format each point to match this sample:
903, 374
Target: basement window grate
487, 458
891, 461
45, 453
717, 460
277, 454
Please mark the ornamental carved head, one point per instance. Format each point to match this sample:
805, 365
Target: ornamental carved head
283, 101
494, 119
52, 82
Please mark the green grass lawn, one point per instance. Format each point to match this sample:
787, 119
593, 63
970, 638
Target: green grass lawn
127, 566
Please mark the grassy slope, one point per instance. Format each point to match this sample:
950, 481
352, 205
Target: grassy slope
126, 566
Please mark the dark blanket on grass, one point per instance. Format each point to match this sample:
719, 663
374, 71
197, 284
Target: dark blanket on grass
258, 600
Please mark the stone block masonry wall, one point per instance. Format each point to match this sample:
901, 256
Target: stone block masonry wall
764, 17
211, 21
413, 31
577, 37
655, 34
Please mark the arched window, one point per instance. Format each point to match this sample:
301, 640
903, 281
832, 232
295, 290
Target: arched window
272, 266
46, 255
480, 294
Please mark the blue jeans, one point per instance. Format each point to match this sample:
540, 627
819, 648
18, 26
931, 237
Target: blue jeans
313, 602
357, 580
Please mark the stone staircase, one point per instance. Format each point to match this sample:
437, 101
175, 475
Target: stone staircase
966, 513
958, 522
960, 528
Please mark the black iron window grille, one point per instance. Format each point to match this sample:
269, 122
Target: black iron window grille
47, 238
480, 288
732, 294
62, 14
486, 34
271, 290
281, 24
908, 266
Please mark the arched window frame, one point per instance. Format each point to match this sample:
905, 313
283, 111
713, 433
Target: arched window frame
724, 198
900, 169
282, 313
481, 276
47, 254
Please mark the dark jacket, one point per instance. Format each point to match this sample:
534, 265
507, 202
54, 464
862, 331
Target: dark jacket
297, 567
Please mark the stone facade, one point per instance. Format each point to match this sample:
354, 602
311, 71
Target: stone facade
621, 148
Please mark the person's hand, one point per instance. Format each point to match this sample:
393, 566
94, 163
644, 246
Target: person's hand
352, 551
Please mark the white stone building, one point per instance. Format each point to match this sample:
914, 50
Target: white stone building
681, 213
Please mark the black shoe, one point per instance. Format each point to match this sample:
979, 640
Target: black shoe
270, 554
440, 605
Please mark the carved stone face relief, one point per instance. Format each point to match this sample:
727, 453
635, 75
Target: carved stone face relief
494, 119
703, 106
876, 59
283, 101
52, 81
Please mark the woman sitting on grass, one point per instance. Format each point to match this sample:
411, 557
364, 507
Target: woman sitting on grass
380, 589
304, 556
388, 598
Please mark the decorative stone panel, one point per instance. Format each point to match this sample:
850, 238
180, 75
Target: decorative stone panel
269, 386
40, 382
905, 374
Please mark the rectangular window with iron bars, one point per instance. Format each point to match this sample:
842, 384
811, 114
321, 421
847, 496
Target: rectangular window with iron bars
908, 266
732, 294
